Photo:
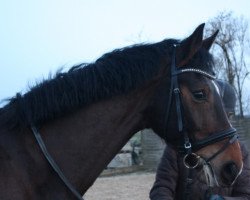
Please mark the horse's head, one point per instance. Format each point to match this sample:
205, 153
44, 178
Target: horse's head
196, 119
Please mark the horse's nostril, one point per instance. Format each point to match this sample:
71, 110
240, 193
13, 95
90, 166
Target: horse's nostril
229, 173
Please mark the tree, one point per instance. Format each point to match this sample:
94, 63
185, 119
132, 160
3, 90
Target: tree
232, 45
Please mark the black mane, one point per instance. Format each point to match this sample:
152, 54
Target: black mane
114, 73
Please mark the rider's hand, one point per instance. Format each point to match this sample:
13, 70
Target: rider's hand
216, 197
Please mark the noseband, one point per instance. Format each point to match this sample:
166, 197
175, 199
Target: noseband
189, 147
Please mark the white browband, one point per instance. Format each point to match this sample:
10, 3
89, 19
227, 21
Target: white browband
194, 70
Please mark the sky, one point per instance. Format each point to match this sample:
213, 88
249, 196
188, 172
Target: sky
39, 37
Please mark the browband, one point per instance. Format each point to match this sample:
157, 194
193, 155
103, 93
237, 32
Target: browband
194, 70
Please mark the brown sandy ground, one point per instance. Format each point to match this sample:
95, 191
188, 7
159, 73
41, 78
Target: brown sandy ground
135, 186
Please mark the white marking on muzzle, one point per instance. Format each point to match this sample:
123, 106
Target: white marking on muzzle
209, 174
238, 174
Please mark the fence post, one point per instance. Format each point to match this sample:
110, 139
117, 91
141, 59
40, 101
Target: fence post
152, 149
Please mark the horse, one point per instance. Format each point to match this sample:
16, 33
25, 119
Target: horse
57, 138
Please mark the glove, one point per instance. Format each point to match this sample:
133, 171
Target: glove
216, 197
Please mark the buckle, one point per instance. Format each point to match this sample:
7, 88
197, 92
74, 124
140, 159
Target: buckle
176, 90
187, 145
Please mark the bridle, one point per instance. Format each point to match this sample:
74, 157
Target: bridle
191, 146
191, 160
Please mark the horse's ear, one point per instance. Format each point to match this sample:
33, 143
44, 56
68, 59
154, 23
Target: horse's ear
189, 46
207, 43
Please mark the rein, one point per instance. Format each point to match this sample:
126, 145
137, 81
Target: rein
53, 163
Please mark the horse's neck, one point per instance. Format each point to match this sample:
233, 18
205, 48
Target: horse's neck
85, 142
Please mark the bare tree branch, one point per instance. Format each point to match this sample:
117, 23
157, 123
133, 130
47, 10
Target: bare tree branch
231, 50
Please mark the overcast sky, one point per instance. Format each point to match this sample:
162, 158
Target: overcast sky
38, 37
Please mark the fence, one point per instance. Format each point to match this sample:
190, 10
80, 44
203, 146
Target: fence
243, 129
152, 149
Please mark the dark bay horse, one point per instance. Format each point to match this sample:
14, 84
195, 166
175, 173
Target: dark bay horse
86, 115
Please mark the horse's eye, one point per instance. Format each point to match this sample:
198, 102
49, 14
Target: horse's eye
200, 95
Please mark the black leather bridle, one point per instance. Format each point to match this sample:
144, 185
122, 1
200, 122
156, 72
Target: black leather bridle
188, 146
